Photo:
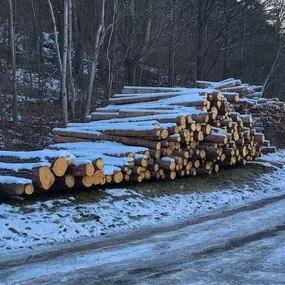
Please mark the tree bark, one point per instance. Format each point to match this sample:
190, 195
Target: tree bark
172, 52
100, 35
55, 35
64, 67
79, 12
70, 71
13, 55
62, 60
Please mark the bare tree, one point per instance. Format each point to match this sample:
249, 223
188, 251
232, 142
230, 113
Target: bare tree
110, 61
64, 66
13, 55
99, 39
135, 28
173, 41
279, 41
55, 35
169, 42
69, 56
62, 61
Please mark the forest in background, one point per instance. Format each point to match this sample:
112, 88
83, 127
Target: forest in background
80, 52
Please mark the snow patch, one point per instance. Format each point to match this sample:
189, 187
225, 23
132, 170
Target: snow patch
14, 180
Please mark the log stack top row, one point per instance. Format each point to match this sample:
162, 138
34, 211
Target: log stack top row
148, 133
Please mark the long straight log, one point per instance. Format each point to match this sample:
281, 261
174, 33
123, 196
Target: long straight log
269, 149
216, 138
135, 133
231, 96
12, 185
79, 136
200, 118
81, 168
141, 98
166, 163
65, 182
41, 177
170, 175
97, 116
12, 189
84, 182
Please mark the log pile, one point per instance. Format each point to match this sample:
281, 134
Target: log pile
56, 169
186, 131
266, 112
146, 133
23, 172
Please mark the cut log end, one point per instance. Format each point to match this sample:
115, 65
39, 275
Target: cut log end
89, 169
158, 146
216, 168
69, 181
140, 178
171, 175
99, 164
172, 166
144, 163
87, 181
118, 177
99, 178
29, 189
147, 175
59, 167
109, 178
164, 134
46, 178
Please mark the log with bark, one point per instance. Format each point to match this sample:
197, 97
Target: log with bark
15, 186
40, 175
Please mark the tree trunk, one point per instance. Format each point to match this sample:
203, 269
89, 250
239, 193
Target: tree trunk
71, 79
226, 52
13, 55
55, 36
171, 69
112, 62
100, 35
91, 80
62, 60
79, 27
64, 67
200, 42
132, 71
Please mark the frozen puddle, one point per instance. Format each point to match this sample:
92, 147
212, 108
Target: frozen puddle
61, 220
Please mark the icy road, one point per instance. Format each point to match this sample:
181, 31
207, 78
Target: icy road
243, 246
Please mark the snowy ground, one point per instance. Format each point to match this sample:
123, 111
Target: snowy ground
244, 246
38, 224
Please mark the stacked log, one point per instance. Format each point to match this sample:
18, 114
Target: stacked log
267, 113
40, 168
147, 133
84, 166
187, 131
11, 185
